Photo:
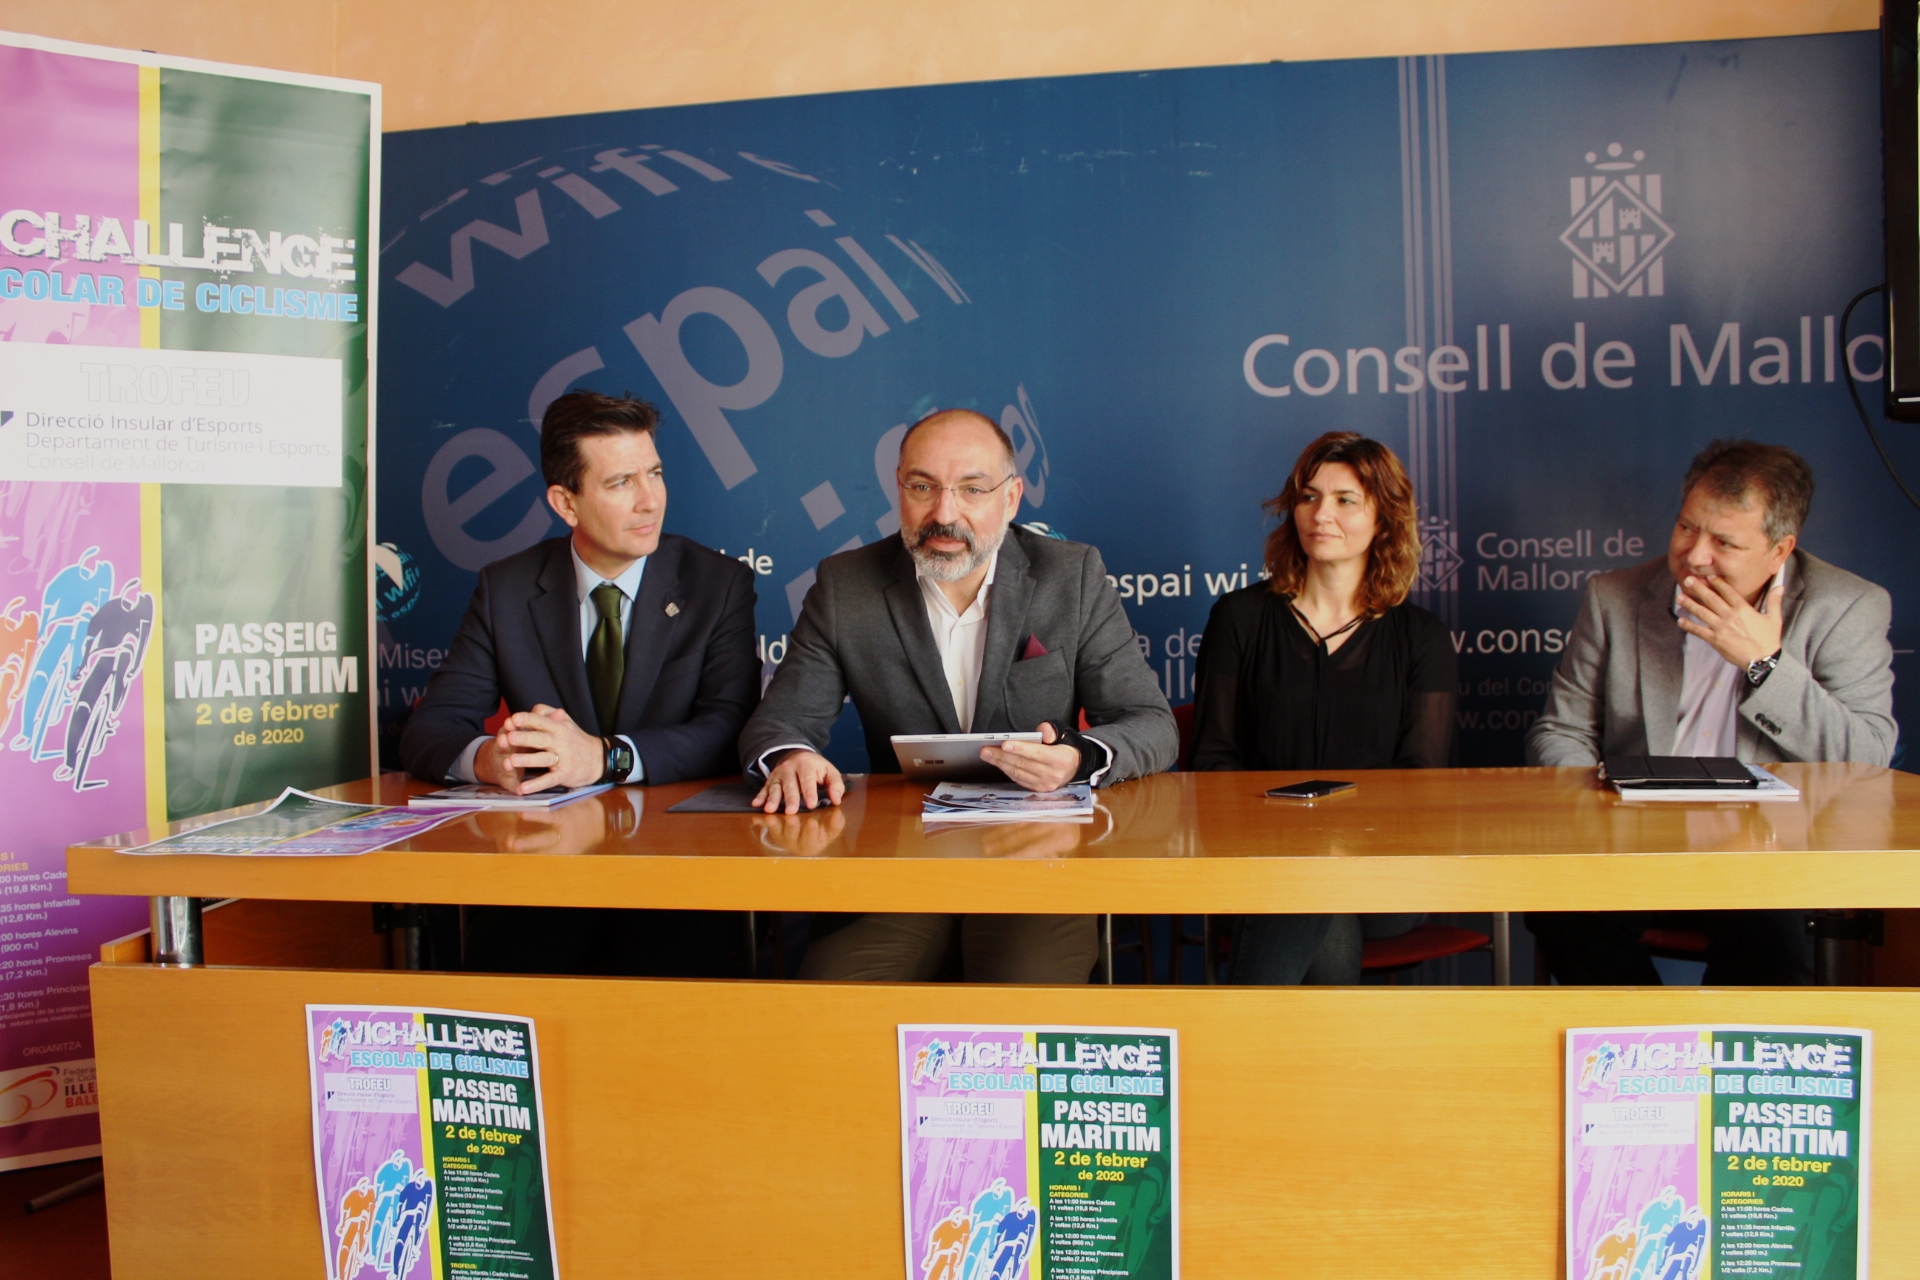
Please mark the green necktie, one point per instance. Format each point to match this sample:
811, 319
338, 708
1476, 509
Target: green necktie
606, 655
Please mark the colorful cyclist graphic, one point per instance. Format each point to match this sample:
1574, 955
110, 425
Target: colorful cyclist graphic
68, 668
384, 1220
930, 1061
945, 1246
415, 1216
354, 1230
1012, 1242
389, 1180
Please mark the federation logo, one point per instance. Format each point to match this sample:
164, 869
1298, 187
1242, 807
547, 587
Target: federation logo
1618, 236
398, 581
1440, 559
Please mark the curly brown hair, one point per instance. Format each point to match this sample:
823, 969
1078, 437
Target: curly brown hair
1393, 558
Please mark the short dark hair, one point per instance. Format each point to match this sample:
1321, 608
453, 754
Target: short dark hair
1732, 469
579, 414
1006, 441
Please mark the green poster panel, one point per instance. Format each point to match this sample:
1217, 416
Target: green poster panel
1107, 1153
488, 1150
265, 198
1787, 1154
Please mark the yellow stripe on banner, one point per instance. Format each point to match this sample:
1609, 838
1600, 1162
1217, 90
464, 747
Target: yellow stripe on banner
154, 669
150, 189
1034, 1269
437, 1227
1704, 1144
154, 672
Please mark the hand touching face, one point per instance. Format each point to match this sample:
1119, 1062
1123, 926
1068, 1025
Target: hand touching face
1714, 538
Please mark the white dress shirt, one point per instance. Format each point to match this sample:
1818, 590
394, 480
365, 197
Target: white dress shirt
961, 639
1710, 692
584, 582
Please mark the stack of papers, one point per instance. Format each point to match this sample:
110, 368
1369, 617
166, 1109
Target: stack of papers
983, 802
302, 825
481, 795
1769, 788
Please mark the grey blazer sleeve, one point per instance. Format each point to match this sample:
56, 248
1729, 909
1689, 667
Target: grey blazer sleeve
1568, 731
1125, 708
1837, 702
808, 688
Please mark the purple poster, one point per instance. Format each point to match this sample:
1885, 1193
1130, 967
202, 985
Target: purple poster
75, 619
1633, 1160
1039, 1153
429, 1149
1697, 1152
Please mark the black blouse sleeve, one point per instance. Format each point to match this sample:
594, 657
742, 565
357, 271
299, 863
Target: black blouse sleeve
1427, 724
1216, 691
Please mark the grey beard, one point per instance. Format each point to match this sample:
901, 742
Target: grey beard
955, 566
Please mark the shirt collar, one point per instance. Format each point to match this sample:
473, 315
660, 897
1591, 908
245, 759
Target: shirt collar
931, 589
585, 579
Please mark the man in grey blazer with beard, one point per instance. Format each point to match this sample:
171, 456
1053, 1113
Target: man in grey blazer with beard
1739, 644
960, 623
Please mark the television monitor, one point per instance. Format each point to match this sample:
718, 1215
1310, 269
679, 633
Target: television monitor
1900, 133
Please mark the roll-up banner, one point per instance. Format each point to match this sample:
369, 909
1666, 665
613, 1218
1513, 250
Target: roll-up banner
187, 283
1546, 279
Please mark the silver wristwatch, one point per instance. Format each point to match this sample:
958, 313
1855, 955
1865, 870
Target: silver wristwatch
1760, 668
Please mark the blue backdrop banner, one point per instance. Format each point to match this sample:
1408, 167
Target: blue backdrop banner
1545, 279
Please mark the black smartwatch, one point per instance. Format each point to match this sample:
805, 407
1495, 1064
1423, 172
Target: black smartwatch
619, 760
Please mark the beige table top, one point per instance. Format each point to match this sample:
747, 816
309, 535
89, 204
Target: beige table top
1403, 840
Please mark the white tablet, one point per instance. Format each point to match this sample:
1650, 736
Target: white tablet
950, 757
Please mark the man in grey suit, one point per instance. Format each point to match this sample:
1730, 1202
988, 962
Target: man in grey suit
1737, 644
960, 623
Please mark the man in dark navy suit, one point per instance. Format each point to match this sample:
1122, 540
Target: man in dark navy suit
625, 655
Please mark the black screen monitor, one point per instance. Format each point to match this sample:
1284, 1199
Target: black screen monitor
1900, 130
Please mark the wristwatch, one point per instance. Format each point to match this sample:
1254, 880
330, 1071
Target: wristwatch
1760, 668
619, 760
1091, 756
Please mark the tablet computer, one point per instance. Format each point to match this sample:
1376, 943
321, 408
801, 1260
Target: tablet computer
950, 757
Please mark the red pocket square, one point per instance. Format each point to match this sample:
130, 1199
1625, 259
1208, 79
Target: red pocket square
1034, 649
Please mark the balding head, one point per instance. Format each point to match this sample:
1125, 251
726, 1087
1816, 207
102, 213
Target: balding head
959, 491
960, 422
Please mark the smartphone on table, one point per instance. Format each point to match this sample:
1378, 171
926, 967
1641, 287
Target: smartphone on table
1311, 790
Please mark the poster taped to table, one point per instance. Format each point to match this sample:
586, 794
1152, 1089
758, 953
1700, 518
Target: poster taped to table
429, 1146
1040, 1153
1702, 1152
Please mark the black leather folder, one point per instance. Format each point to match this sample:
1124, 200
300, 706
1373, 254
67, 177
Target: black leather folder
1666, 773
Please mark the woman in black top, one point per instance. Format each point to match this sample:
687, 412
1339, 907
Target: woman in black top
1324, 666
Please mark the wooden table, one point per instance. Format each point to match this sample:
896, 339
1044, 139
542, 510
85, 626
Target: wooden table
1181, 843
720, 1129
